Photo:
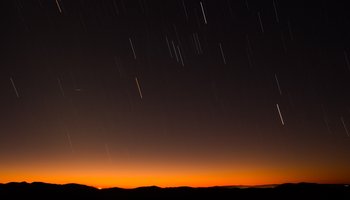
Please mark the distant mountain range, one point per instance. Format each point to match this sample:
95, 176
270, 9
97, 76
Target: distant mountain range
38, 190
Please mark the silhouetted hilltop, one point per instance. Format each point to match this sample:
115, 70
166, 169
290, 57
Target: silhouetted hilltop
39, 190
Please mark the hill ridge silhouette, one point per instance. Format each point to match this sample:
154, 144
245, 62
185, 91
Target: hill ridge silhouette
41, 190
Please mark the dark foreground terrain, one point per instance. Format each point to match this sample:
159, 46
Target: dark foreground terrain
75, 191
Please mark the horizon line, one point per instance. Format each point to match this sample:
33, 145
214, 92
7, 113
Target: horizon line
148, 186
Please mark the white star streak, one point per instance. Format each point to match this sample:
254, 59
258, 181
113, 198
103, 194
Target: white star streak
278, 84
167, 42
70, 142
132, 48
58, 6
182, 61
203, 12
60, 85
138, 87
222, 54
279, 112
185, 10
175, 51
345, 127
14, 87
275, 8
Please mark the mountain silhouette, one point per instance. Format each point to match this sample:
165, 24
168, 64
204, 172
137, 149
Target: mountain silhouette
38, 190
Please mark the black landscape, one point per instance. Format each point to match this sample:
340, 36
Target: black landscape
38, 190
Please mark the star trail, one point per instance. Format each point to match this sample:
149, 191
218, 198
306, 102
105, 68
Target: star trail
130, 93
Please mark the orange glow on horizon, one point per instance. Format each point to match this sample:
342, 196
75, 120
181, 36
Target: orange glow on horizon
172, 171
138, 178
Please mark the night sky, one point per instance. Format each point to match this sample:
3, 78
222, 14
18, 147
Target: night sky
130, 93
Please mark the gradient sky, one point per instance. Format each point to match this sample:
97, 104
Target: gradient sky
131, 93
